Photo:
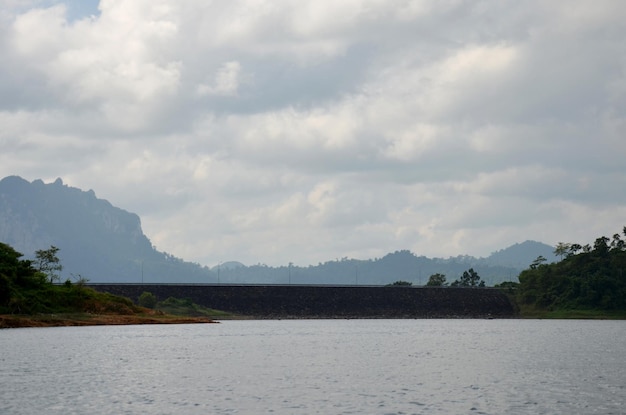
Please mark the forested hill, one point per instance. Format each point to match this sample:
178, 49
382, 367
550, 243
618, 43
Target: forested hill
104, 243
588, 277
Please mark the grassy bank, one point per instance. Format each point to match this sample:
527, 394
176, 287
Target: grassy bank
537, 313
185, 307
48, 305
86, 319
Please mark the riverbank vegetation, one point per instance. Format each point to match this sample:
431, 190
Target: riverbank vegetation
181, 307
28, 297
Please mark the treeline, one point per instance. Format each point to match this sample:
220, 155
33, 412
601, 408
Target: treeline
587, 277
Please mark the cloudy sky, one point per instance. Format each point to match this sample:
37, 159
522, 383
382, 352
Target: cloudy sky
303, 131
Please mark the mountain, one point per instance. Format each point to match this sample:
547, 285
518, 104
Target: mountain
400, 265
104, 243
521, 255
97, 240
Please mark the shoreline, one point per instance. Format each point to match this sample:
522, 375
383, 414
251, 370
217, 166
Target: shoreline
73, 320
85, 319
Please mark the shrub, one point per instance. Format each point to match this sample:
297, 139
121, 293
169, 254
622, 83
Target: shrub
147, 299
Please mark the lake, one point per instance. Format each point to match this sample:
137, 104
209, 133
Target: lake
318, 367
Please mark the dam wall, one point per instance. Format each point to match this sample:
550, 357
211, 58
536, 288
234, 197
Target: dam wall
310, 301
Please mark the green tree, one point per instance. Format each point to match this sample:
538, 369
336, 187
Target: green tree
601, 246
470, 278
562, 249
17, 271
147, 299
538, 261
437, 280
9, 261
16, 275
617, 244
47, 262
573, 249
400, 283
507, 285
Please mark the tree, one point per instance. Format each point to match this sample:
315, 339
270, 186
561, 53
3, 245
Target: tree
16, 275
601, 246
400, 283
617, 244
470, 278
510, 285
573, 249
437, 280
47, 262
9, 265
147, 299
538, 261
562, 249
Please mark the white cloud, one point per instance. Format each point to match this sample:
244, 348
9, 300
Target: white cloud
226, 81
274, 131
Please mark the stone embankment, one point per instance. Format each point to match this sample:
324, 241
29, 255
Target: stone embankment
299, 301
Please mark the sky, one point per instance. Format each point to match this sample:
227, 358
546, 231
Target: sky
279, 131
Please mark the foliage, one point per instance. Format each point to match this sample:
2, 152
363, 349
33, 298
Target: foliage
80, 280
400, 283
147, 299
185, 307
562, 249
66, 298
507, 285
470, 278
47, 262
591, 279
437, 280
26, 290
540, 260
16, 275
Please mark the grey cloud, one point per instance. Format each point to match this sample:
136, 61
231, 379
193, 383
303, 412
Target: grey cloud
328, 130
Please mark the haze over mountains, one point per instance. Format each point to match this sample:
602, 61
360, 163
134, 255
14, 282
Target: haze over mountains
104, 243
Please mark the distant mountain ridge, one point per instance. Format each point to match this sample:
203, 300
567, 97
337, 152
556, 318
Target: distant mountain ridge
104, 243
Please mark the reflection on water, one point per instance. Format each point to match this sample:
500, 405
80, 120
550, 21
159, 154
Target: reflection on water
318, 366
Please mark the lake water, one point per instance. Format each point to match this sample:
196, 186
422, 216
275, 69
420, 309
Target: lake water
318, 367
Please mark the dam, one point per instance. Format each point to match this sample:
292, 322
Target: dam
331, 301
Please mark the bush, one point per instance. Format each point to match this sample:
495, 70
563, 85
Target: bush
400, 284
147, 299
